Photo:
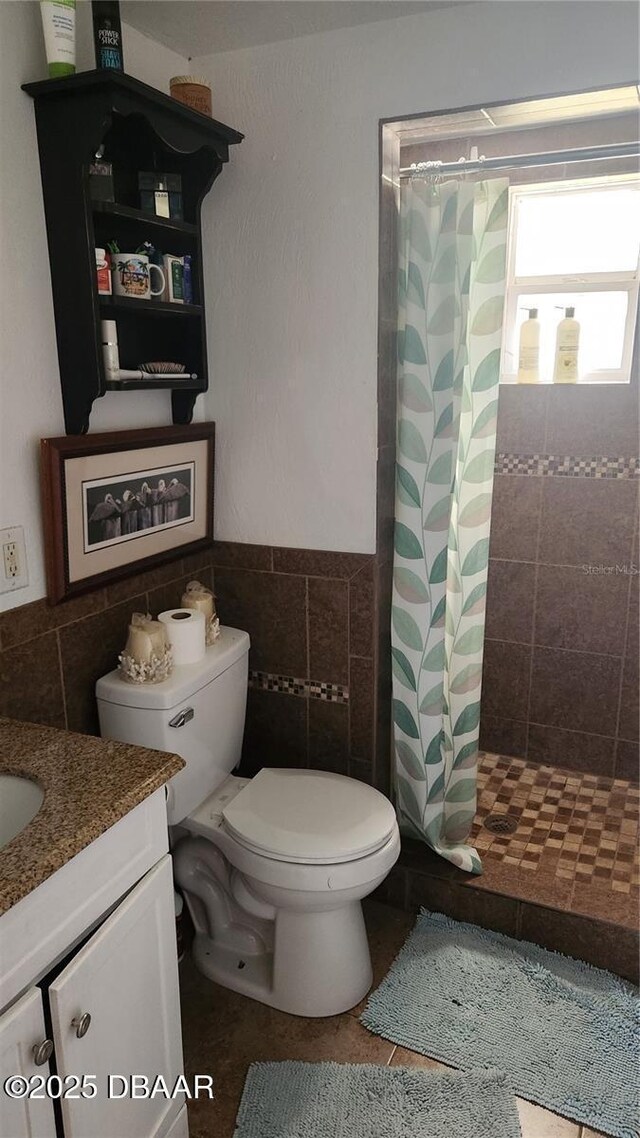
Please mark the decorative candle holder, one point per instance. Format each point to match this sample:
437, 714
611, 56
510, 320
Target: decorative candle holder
146, 657
198, 596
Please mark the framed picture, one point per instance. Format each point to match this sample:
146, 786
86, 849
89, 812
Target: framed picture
118, 503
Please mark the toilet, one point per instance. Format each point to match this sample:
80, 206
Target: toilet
274, 868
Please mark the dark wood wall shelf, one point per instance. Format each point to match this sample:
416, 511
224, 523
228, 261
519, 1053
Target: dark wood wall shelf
140, 129
114, 209
112, 305
150, 384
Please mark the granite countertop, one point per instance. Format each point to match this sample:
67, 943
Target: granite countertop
89, 784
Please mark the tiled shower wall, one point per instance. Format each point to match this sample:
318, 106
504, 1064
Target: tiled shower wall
313, 626
560, 679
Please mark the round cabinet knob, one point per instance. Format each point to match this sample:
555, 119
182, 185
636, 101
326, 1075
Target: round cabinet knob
82, 1024
42, 1052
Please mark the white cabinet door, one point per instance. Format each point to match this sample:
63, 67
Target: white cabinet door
126, 979
21, 1029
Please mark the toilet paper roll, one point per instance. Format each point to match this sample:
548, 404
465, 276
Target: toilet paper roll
186, 630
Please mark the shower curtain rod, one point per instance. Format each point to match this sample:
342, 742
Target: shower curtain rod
521, 161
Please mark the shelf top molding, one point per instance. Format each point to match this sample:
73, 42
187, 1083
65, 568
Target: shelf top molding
125, 91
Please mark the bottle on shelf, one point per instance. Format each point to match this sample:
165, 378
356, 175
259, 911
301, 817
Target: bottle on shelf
103, 272
187, 279
529, 349
565, 368
173, 269
110, 352
107, 34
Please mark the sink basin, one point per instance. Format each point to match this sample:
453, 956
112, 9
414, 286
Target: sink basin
20, 800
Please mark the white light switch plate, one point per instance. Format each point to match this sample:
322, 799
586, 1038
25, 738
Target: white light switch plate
13, 560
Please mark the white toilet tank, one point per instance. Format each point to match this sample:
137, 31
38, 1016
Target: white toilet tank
198, 713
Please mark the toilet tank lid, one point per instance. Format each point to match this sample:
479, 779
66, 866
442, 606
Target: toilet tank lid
183, 682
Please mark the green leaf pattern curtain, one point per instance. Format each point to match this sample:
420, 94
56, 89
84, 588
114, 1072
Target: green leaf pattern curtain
451, 300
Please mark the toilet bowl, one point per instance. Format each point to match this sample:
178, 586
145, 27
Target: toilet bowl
294, 937
273, 868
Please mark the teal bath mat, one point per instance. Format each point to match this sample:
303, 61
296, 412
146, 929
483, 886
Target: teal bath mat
340, 1100
565, 1034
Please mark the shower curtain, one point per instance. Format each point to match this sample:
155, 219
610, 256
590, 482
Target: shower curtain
451, 298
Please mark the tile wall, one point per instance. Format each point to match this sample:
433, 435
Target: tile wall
312, 618
560, 678
51, 656
312, 621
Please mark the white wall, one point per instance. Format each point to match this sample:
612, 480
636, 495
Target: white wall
30, 400
291, 229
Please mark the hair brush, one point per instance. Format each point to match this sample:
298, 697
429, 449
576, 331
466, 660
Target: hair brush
158, 369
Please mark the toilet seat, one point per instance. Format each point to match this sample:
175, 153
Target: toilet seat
309, 817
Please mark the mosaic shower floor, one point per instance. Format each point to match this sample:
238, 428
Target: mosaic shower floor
580, 829
559, 852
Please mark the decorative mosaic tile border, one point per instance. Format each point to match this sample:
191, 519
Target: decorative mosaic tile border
289, 685
567, 465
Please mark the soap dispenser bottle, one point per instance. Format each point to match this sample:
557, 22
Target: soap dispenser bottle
567, 343
529, 349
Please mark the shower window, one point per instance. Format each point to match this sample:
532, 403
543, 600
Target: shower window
575, 244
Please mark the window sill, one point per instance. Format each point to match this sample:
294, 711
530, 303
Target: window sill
586, 381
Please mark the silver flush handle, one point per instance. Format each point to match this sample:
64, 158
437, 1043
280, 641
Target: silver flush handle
184, 716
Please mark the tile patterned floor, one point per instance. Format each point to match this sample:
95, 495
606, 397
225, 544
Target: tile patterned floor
224, 1033
585, 826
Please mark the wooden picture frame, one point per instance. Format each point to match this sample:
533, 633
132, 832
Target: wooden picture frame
120, 502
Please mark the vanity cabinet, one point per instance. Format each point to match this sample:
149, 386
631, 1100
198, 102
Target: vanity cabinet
114, 1010
22, 1029
89, 962
136, 129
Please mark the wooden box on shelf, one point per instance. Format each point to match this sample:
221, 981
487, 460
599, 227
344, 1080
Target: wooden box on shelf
136, 128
